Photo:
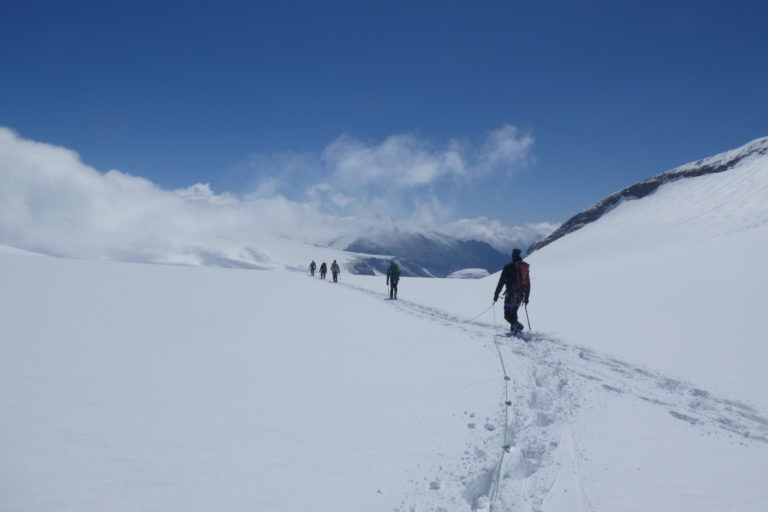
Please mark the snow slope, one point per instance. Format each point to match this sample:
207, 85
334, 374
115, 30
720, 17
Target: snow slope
143, 387
676, 280
127, 386
757, 149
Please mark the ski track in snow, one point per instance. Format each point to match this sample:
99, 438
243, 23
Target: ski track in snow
549, 382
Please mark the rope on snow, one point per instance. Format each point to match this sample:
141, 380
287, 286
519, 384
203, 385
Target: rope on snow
505, 448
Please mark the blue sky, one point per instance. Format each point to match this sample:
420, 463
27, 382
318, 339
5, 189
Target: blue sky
283, 97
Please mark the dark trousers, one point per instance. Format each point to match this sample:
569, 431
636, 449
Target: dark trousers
393, 288
335, 276
512, 301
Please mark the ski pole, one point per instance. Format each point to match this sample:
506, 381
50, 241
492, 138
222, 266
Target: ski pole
526, 317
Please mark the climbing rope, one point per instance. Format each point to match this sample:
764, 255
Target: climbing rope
481, 314
505, 448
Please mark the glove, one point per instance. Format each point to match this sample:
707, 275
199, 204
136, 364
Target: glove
525, 301
495, 298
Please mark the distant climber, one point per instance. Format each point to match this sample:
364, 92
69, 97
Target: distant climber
393, 277
516, 278
312, 268
323, 270
335, 271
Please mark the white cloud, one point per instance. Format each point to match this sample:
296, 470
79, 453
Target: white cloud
51, 202
408, 161
399, 161
505, 149
201, 192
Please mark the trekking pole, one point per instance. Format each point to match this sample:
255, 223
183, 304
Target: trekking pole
526, 317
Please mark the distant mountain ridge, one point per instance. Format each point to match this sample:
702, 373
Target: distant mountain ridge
715, 164
426, 254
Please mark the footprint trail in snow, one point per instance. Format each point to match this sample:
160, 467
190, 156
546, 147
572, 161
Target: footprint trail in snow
549, 381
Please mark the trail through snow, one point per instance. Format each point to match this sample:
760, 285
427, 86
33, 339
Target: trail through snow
550, 381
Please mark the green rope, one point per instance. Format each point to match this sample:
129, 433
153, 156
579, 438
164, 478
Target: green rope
481, 314
505, 448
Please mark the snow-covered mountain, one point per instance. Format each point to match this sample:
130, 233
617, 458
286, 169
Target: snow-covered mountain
642, 385
716, 164
422, 254
675, 279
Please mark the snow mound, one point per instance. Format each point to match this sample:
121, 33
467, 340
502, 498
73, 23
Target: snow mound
469, 273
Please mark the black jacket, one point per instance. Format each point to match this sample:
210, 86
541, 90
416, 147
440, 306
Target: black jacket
508, 278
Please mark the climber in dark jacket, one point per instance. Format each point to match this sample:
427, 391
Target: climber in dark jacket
393, 277
515, 276
335, 271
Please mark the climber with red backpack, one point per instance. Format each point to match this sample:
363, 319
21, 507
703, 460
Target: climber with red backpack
515, 277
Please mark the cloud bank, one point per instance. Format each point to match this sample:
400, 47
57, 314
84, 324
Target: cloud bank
405, 176
408, 161
51, 202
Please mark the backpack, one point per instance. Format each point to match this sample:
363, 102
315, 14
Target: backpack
522, 278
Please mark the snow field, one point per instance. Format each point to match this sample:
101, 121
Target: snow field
129, 386
160, 387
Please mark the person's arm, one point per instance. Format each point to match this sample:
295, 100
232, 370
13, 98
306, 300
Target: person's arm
527, 287
502, 280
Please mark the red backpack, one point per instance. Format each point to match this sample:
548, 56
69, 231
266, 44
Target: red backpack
522, 278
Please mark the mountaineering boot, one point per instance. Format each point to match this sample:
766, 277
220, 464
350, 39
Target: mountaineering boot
516, 327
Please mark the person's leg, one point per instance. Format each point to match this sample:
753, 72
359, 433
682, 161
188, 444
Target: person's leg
511, 305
